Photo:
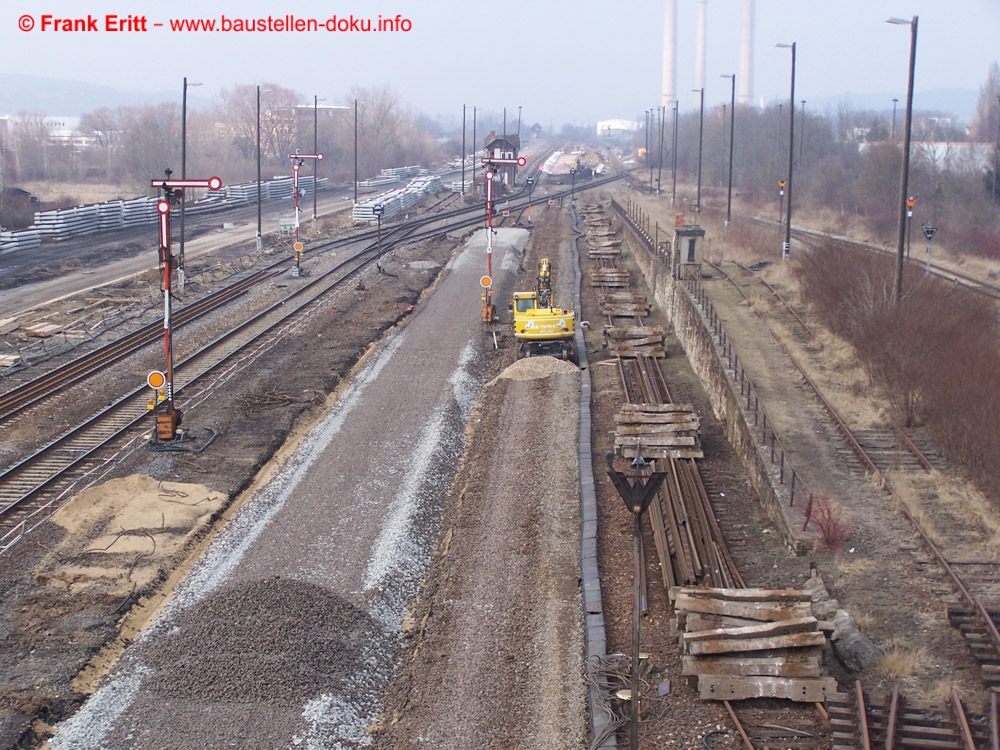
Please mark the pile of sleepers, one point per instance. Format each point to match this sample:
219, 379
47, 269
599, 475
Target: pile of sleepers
751, 643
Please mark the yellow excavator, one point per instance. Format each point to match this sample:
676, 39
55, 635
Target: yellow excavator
541, 328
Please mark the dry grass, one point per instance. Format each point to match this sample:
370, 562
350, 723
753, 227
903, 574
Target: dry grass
84, 192
901, 660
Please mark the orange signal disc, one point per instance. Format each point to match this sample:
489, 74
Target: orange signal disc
297, 246
156, 379
485, 282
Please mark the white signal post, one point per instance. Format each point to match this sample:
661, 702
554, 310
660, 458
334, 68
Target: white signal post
297, 161
168, 417
488, 307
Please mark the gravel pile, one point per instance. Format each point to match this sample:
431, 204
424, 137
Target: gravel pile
532, 368
293, 641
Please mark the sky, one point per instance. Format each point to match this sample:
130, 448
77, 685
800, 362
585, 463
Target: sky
559, 61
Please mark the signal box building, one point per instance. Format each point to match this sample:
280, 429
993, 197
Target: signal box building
503, 147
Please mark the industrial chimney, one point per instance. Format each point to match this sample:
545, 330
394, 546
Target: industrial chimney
700, 61
669, 54
745, 76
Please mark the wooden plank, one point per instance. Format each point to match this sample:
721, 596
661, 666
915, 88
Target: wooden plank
757, 630
661, 432
760, 611
734, 688
730, 646
677, 441
741, 595
806, 665
661, 453
655, 418
664, 409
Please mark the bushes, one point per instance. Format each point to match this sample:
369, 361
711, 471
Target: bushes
934, 358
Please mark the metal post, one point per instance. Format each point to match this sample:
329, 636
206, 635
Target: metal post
315, 150
475, 148
905, 176
463, 149
659, 168
259, 238
701, 132
637, 493
377, 210
732, 135
673, 169
355, 152
786, 247
180, 251
893, 136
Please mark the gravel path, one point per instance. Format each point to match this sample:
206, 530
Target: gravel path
325, 556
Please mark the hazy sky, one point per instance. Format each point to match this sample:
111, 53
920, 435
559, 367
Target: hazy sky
560, 60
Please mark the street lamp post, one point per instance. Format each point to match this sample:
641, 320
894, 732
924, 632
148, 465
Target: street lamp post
659, 167
732, 133
180, 252
377, 209
786, 247
673, 157
316, 101
897, 295
355, 152
260, 239
701, 132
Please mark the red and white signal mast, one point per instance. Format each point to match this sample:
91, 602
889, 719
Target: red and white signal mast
489, 309
168, 416
298, 159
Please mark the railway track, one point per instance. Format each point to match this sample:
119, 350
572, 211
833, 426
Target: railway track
33, 488
816, 240
973, 598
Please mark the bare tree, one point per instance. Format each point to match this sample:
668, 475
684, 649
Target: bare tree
150, 141
31, 144
104, 125
278, 121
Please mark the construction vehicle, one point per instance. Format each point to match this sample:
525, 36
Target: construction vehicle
540, 327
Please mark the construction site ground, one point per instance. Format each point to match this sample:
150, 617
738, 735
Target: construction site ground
65, 623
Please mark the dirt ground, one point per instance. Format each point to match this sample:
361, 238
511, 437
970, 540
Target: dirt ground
75, 593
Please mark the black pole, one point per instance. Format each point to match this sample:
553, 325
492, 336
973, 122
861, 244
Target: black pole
673, 169
897, 296
315, 151
180, 251
259, 236
355, 152
732, 135
463, 149
659, 169
791, 155
701, 132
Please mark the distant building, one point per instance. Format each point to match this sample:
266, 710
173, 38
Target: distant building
616, 128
